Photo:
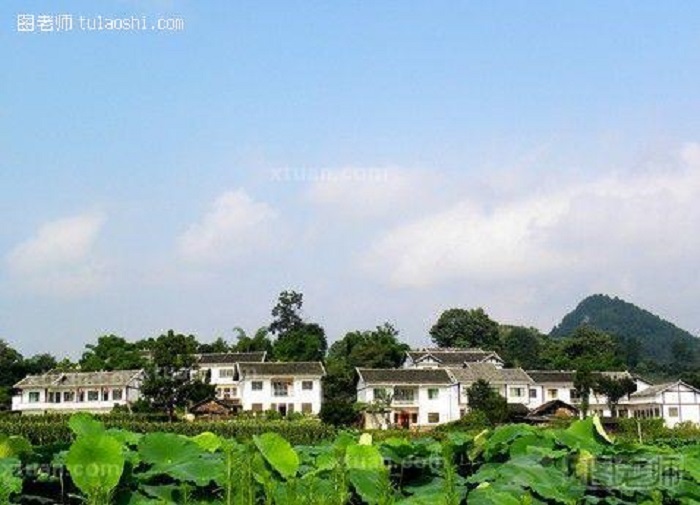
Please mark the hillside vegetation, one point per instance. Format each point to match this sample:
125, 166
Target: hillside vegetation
656, 339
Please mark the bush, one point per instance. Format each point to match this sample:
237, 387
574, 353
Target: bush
44, 430
476, 420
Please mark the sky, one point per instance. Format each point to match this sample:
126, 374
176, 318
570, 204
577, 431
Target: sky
389, 160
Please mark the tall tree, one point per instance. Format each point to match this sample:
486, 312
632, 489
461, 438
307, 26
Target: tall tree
593, 350
259, 342
584, 383
168, 385
11, 371
111, 353
465, 328
481, 397
378, 348
614, 390
286, 314
520, 346
305, 342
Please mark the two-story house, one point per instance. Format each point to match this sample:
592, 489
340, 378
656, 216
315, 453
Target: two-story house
95, 392
407, 397
284, 387
220, 371
676, 402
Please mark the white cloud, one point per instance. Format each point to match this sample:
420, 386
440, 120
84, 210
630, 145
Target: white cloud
354, 192
624, 224
235, 226
59, 259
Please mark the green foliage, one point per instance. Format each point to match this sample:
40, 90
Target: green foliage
305, 342
260, 342
614, 389
482, 398
465, 328
646, 335
520, 347
111, 353
286, 314
512, 464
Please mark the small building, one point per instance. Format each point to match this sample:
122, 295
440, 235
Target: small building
95, 392
551, 410
450, 357
214, 408
283, 387
407, 397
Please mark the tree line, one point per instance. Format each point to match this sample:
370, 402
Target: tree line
289, 336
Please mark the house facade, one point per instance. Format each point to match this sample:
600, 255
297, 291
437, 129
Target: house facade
676, 402
96, 392
219, 369
282, 387
407, 397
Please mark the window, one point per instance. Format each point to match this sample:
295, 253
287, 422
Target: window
33, 397
533, 393
256, 385
68, 396
105, 395
81, 396
433, 417
404, 395
552, 394
517, 392
226, 373
93, 396
116, 394
280, 388
256, 407
433, 393
306, 408
379, 394
574, 395
673, 412
307, 385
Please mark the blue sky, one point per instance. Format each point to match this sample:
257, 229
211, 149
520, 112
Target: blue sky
511, 155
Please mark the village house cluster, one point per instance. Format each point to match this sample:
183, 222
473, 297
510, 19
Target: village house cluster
431, 389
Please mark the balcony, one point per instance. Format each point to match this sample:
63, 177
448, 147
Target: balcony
405, 396
23, 406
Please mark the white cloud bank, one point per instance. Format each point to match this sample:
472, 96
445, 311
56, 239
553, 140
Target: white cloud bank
618, 223
59, 259
235, 226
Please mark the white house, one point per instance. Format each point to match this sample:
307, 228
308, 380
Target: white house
450, 357
676, 402
284, 387
77, 391
408, 397
513, 384
220, 370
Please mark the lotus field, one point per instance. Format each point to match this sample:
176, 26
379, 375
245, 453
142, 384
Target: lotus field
514, 464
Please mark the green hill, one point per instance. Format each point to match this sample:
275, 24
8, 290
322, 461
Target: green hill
659, 340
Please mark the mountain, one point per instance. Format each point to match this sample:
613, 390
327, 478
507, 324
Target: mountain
659, 340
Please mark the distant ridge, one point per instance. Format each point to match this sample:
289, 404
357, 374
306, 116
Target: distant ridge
660, 340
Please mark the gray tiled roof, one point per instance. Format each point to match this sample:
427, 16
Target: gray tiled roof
652, 391
405, 376
472, 372
299, 368
452, 357
230, 357
552, 376
80, 379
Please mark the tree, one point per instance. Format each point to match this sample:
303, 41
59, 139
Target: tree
168, 384
482, 398
465, 328
38, 364
614, 389
593, 350
306, 342
11, 371
520, 346
218, 346
584, 382
286, 314
260, 342
111, 353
